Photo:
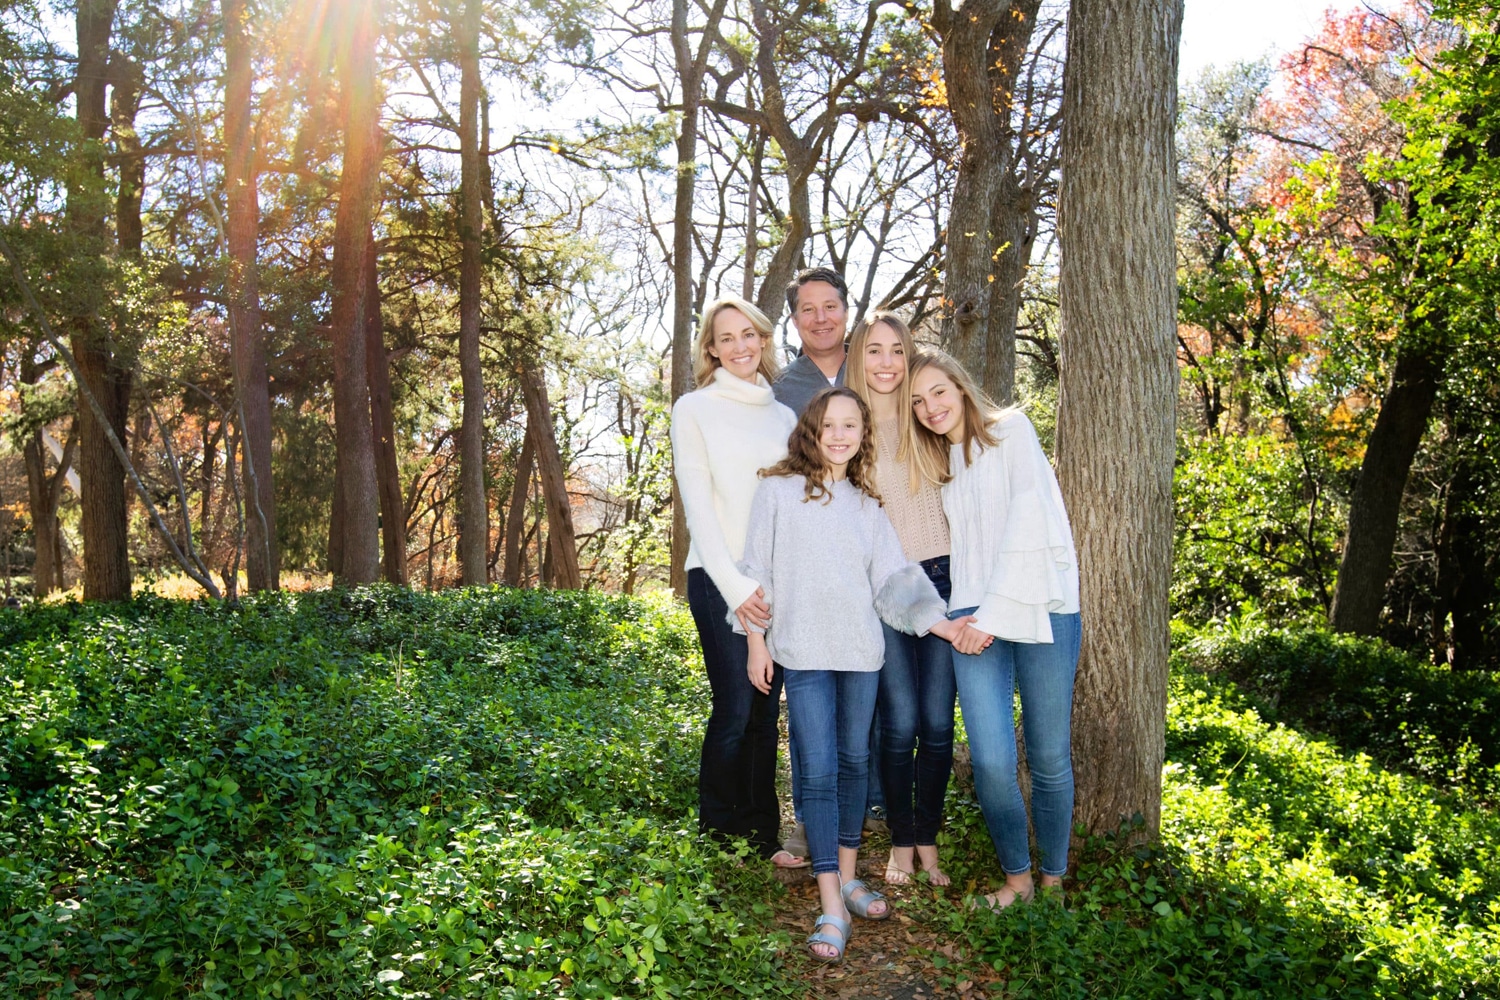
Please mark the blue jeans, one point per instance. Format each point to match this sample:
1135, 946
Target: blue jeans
737, 769
916, 717
831, 710
987, 684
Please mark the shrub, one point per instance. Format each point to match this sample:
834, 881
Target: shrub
1363, 694
479, 793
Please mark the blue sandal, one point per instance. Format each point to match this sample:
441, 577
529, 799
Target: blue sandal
860, 905
823, 937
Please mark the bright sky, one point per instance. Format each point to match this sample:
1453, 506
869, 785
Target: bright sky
1219, 32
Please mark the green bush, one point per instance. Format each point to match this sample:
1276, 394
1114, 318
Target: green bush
1251, 530
1364, 695
356, 793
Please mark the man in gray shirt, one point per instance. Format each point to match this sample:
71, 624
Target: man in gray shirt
818, 298
819, 302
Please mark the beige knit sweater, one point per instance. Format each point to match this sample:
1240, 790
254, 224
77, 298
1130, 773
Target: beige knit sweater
917, 517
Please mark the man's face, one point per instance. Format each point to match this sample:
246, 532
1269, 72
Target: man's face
821, 318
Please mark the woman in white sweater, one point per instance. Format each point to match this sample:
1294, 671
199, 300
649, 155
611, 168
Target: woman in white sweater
722, 434
1015, 570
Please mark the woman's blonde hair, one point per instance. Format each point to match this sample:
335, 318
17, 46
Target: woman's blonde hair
804, 457
704, 363
854, 377
930, 451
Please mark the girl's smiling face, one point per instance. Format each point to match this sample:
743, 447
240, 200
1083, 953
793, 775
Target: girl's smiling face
839, 437
736, 343
885, 359
938, 404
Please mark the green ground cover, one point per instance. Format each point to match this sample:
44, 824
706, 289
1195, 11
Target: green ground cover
490, 793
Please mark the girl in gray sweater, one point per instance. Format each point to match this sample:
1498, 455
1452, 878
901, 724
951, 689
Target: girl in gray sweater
832, 569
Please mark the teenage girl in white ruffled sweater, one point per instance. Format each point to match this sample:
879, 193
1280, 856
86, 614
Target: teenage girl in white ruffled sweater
1015, 570
832, 568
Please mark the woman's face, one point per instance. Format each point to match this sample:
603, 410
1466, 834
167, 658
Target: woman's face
937, 403
885, 359
838, 439
736, 343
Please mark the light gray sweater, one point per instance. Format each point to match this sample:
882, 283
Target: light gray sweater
832, 570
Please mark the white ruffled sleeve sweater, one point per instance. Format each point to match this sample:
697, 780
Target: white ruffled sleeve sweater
1013, 555
723, 433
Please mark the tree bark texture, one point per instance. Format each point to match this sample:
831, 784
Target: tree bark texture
1118, 386
690, 69
247, 341
983, 45
515, 521
383, 427
1375, 506
473, 509
103, 522
44, 493
561, 539
354, 439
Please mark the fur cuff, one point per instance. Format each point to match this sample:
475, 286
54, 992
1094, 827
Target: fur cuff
908, 602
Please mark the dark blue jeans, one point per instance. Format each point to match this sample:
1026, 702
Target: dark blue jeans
917, 697
737, 770
831, 710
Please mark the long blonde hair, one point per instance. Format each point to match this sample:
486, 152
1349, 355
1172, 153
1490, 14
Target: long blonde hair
804, 457
704, 363
930, 451
854, 377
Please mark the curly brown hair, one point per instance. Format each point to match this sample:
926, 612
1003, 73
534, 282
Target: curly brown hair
804, 457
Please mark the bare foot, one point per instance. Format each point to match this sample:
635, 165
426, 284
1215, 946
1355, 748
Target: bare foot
1006, 895
899, 870
927, 855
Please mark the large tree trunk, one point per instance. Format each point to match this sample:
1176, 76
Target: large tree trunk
247, 344
383, 425
1375, 506
1118, 394
515, 521
355, 32
473, 509
106, 557
561, 540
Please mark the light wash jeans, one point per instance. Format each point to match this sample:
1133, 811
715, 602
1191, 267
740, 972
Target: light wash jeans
831, 711
1043, 672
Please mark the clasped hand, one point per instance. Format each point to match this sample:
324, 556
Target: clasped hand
962, 634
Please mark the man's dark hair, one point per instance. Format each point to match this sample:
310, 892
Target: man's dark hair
827, 274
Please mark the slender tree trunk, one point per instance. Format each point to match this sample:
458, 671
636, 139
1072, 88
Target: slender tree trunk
690, 69
383, 426
360, 560
247, 342
1014, 224
44, 494
103, 520
473, 508
560, 535
1118, 395
1375, 506
515, 520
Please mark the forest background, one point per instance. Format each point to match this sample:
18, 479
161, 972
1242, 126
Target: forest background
467, 229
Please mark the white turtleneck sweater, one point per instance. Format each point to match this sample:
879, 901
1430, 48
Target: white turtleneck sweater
723, 433
1013, 555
